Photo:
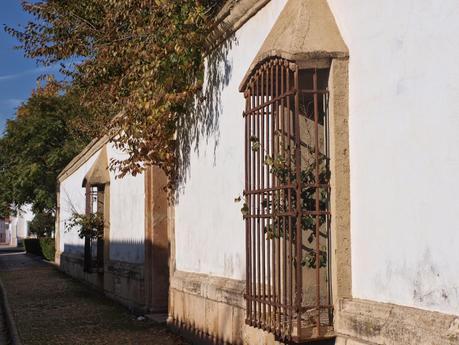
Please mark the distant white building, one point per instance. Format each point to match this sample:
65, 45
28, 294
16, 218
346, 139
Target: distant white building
5, 233
15, 228
19, 226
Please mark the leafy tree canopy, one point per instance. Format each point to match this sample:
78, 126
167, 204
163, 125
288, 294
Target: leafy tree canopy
42, 224
36, 146
141, 60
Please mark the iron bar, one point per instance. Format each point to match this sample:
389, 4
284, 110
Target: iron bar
313, 91
247, 224
252, 230
261, 171
273, 198
298, 233
257, 200
269, 93
317, 194
280, 219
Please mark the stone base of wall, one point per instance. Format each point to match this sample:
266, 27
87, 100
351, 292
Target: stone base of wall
361, 322
121, 281
72, 264
207, 309
125, 282
211, 310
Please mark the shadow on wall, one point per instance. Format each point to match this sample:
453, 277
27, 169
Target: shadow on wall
141, 286
203, 123
132, 251
198, 336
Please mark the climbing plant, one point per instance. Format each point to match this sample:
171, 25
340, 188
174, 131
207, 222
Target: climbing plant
88, 225
284, 200
138, 64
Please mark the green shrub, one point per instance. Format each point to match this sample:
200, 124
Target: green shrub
42, 224
48, 248
44, 247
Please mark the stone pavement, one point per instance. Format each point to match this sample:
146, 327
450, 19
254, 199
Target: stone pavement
4, 336
50, 308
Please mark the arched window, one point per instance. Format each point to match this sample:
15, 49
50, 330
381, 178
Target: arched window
94, 247
286, 209
94, 183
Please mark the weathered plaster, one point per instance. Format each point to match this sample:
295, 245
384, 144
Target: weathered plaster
404, 149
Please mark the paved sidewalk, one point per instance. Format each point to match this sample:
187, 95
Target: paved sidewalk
51, 308
4, 334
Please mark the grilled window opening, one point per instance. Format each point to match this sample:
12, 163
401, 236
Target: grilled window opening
94, 248
288, 275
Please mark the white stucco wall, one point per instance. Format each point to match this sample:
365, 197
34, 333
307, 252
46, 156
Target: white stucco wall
72, 199
127, 212
404, 147
127, 216
209, 228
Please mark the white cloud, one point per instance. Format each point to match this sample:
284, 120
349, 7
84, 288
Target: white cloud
37, 70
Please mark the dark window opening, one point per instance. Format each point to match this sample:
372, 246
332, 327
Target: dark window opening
94, 247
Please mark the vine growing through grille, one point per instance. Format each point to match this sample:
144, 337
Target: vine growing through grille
286, 201
283, 169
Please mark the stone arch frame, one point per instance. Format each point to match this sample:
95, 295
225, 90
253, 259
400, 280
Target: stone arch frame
99, 176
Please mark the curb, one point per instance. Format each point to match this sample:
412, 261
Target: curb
13, 331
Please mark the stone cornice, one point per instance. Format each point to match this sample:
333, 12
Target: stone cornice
82, 157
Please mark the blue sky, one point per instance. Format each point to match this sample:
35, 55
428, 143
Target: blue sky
18, 74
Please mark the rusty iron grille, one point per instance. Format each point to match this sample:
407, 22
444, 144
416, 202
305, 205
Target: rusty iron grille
93, 202
286, 209
94, 247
